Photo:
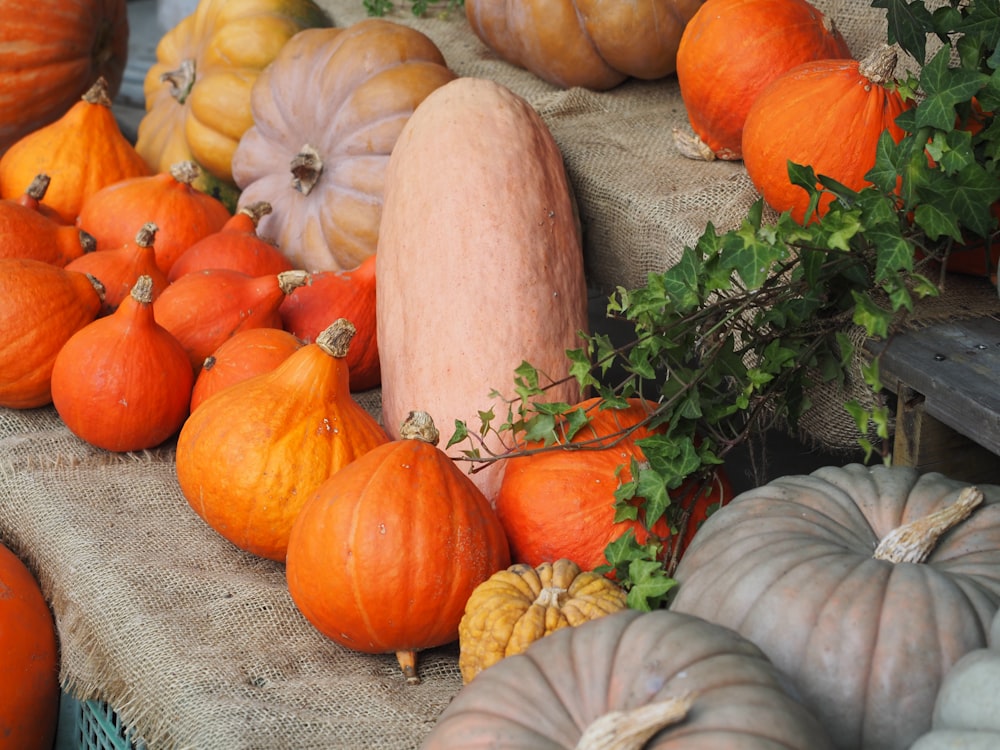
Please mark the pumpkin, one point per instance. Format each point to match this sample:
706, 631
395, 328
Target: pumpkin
237, 246
584, 42
123, 382
654, 680
826, 114
198, 90
41, 306
561, 503
279, 435
731, 49
34, 194
517, 606
327, 113
182, 214
329, 295
29, 660
253, 351
82, 152
118, 269
490, 243
53, 51
205, 308
26, 232
386, 552
967, 708
812, 569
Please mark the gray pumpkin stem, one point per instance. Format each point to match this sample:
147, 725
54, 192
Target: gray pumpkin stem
631, 730
913, 542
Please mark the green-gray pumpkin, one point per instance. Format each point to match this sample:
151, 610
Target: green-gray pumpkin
822, 573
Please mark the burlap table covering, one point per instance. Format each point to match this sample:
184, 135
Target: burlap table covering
198, 645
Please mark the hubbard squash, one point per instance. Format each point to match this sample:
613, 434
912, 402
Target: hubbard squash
480, 269
825, 574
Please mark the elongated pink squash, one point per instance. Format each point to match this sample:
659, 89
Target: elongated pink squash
479, 261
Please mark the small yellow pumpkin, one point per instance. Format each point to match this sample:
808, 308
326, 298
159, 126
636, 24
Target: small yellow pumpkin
519, 605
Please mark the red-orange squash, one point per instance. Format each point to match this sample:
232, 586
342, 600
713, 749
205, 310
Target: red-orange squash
587, 43
53, 51
731, 49
385, 554
828, 115
123, 382
327, 113
27, 232
279, 436
41, 306
560, 503
480, 269
29, 660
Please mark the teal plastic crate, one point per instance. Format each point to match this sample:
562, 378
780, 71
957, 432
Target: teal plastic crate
93, 725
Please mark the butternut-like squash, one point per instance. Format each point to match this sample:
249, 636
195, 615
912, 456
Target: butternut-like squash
482, 267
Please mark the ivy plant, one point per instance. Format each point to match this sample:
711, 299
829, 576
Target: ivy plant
418, 8
731, 339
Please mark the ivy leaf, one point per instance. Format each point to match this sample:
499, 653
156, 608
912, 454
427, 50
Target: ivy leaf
649, 585
908, 25
944, 88
653, 489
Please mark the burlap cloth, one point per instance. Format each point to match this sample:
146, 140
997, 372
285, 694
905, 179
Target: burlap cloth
198, 645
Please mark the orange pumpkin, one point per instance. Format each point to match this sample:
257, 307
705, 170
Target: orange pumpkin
560, 503
29, 667
828, 115
183, 215
27, 232
731, 49
385, 553
53, 51
123, 383
34, 194
279, 436
82, 152
340, 294
41, 306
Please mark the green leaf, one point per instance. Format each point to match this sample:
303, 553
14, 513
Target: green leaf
649, 585
944, 87
908, 25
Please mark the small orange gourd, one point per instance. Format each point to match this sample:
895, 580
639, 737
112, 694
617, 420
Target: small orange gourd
205, 308
340, 294
118, 269
82, 151
123, 382
244, 355
41, 306
236, 246
28, 233
279, 436
385, 554
183, 214
34, 194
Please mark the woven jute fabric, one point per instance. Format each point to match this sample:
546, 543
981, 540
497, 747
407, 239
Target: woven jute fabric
196, 644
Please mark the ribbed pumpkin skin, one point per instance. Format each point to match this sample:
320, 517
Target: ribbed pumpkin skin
53, 51
587, 43
731, 49
867, 642
480, 269
347, 93
384, 555
202, 117
824, 114
544, 698
29, 660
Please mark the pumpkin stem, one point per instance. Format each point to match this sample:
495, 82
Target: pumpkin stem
913, 542
307, 166
142, 290
631, 729
256, 211
408, 663
98, 286
418, 425
879, 65
691, 146
289, 281
336, 338
98, 93
87, 241
181, 80
38, 187
185, 171
551, 596
146, 234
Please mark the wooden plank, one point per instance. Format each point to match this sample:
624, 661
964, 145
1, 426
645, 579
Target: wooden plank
955, 367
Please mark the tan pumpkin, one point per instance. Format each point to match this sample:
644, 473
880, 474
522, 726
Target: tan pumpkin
517, 606
335, 100
53, 51
587, 43
480, 269
198, 90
